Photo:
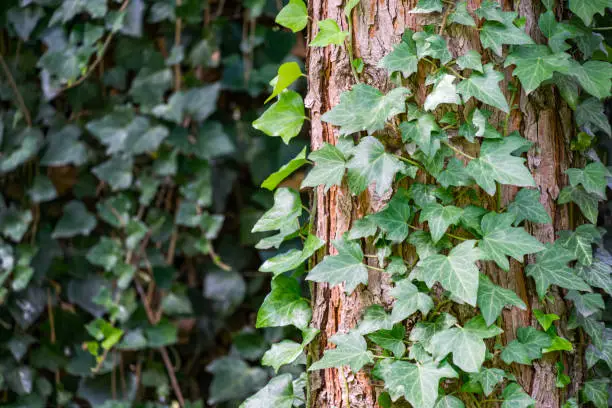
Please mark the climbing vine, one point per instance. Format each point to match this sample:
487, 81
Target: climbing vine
385, 141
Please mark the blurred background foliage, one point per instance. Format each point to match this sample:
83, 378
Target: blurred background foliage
130, 182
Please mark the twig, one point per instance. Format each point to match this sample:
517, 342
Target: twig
177, 43
22, 106
458, 151
217, 259
446, 13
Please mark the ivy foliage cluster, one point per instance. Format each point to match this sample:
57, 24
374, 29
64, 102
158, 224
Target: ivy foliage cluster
129, 174
447, 360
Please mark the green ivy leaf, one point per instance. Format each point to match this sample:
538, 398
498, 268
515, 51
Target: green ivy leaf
76, 220
29, 142
595, 77
580, 242
449, 401
527, 206
277, 393
496, 163
284, 118
527, 347
408, 301
393, 219
274, 179
439, 218
545, 320
392, 340
293, 258
329, 33
536, 64
329, 167
586, 9
588, 203
106, 253
374, 318
471, 60
485, 88
403, 58
492, 299
445, 91
15, 223
294, 16
514, 397
427, 6
430, 44
590, 117
455, 174
284, 305
351, 350
117, 172
592, 178
488, 378
347, 266
288, 73
371, 164
424, 131
423, 332
366, 108
461, 15
494, 34
42, 189
65, 148
599, 273
286, 209
456, 272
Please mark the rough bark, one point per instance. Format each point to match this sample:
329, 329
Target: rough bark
541, 117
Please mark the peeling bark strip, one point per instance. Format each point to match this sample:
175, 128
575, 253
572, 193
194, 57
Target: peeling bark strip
542, 117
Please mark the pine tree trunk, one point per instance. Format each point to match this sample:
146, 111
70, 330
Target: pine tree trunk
542, 117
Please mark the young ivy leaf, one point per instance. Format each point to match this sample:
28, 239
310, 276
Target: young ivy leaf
287, 74
409, 300
278, 393
580, 242
392, 340
492, 299
427, 6
515, 397
294, 16
366, 108
445, 91
284, 305
371, 164
488, 378
329, 33
471, 60
496, 163
403, 58
274, 179
592, 178
500, 240
586, 9
456, 272
461, 15
329, 167
527, 347
347, 266
588, 203
440, 218
284, 118
424, 131
465, 343
536, 64
351, 350
551, 269
432, 45
527, 206
394, 218
485, 88
495, 33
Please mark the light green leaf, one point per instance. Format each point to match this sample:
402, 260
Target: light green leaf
471, 60
427, 6
351, 350
595, 77
393, 219
488, 378
445, 91
456, 272
492, 299
294, 16
366, 108
449, 401
374, 318
430, 44
485, 88
329, 33
527, 206
329, 167
403, 58
515, 397
494, 34
592, 178
439, 218
496, 163
588, 203
371, 164
282, 353
536, 64
287, 208
461, 15
288, 73
293, 258
580, 242
408, 301
284, 118
545, 320
76, 220
586, 9
392, 340
347, 266
284, 305
277, 393
281, 174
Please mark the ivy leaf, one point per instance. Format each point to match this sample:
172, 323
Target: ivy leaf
29, 142
418, 383
371, 164
595, 77
281, 174
293, 258
471, 60
42, 189
527, 206
488, 378
351, 350
329, 33
408, 301
284, 305
403, 58
65, 148
284, 118
117, 172
492, 299
106, 253
439, 218
592, 178
444, 91
423, 332
449, 401
347, 266
282, 353
430, 44
588, 203
362, 228
545, 320
494, 34
586, 9
590, 117
288, 73
527, 347
294, 16
277, 393
586, 304
427, 6
536, 64
514, 397
465, 343
76, 220
329, 167
287, 208
456, 272
392, 340
461, 15
423, 132
598, 273
485, 88
580, 242
394, 217
374, 318
500, 240
496, 163
366, 108
455, 174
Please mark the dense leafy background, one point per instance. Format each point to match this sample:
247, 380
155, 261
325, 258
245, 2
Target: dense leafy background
124, 147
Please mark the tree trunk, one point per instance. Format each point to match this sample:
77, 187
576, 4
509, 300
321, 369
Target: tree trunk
542, 117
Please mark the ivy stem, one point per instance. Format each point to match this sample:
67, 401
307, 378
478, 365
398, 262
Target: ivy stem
458, 151
349, 46
22, 106
374, 268
407, 160
602, 28
457, 237
455, 73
